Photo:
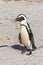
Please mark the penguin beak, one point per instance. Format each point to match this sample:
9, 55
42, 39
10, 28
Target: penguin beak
17, 19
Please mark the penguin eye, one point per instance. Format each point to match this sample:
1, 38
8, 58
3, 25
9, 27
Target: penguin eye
22, 18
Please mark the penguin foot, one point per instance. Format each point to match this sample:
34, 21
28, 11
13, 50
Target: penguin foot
30, 52
34, 47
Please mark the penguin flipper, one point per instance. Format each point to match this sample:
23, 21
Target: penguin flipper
31, 37
20, 38
32, 41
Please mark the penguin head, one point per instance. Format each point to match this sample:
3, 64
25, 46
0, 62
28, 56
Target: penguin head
21, 18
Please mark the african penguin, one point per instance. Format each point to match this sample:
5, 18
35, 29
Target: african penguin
25, 36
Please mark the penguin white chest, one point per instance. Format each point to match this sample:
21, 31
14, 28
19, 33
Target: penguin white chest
25, 36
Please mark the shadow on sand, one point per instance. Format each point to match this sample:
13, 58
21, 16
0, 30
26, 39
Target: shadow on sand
4, 46
18, 47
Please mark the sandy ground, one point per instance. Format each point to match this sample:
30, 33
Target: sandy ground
11, 53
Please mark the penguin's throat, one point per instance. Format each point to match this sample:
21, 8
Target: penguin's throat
23, 22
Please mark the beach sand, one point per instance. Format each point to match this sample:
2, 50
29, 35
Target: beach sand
10, 48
